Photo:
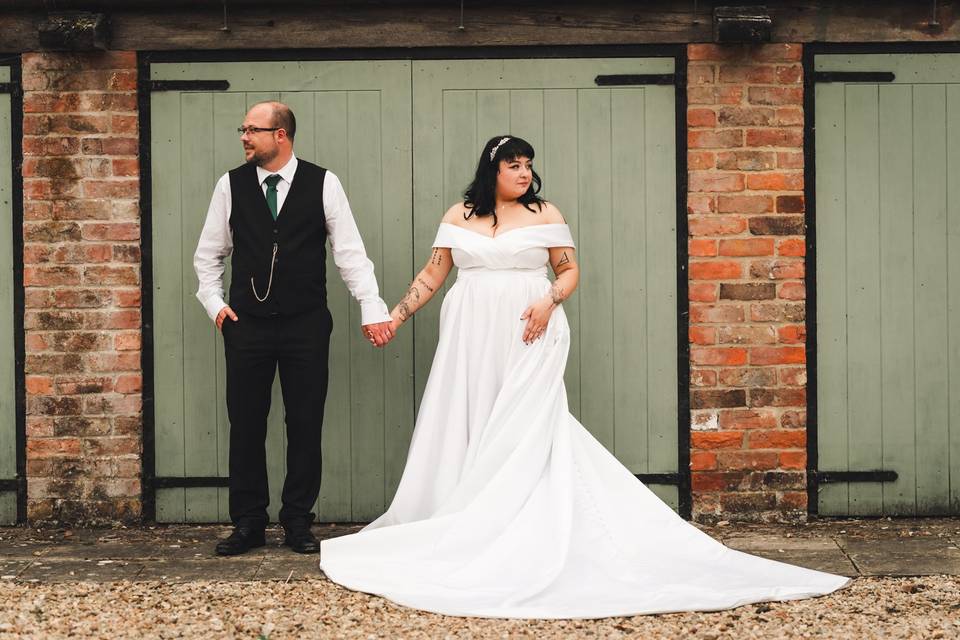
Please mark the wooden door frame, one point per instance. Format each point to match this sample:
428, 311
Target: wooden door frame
810, 50
15, 89
150, 481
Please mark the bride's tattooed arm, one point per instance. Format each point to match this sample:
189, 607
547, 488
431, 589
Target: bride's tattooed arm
424, 285
564, 263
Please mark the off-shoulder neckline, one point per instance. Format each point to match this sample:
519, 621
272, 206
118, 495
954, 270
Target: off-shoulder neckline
508, 231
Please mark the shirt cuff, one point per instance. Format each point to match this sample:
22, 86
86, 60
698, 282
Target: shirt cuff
374, 311
213, 305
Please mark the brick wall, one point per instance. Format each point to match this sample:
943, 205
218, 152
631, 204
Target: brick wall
746, 225
82, 287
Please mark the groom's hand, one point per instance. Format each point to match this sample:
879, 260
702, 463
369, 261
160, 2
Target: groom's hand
378, 333
226, 311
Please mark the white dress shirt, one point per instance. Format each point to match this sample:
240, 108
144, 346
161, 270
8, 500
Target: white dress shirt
356, 269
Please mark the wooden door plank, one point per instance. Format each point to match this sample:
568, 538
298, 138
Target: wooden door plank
228, 111
167, 302
560, 163
930, 291
896, 297
8, 393
912, 69
493, 115
662, 404
630, 279
396, 271
366, 371
596, 244
330, 147
199, 334
953, 294
526, 116
862, 254
831, 294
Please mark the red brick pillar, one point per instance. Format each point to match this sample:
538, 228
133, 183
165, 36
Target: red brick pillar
746, 225
82, 287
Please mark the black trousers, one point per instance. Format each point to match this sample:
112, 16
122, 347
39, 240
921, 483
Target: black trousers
255, 347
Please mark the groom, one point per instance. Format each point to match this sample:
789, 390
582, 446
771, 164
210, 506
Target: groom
275, 214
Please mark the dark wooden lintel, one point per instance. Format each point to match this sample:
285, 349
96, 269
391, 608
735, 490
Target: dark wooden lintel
172, 26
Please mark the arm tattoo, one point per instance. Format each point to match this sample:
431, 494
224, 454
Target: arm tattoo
556, 293
413, 295
404, 311
563, 260
437, 257
428, 287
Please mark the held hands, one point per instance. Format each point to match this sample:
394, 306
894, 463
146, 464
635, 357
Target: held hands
222, 315
379, 333
537, 316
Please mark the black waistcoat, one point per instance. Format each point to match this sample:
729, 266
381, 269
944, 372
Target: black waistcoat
299, 234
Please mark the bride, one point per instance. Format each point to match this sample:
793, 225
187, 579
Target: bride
508, 507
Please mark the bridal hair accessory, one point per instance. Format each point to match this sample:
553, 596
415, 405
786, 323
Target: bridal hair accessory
493, 152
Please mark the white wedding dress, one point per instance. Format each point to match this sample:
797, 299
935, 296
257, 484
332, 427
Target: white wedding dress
508, 507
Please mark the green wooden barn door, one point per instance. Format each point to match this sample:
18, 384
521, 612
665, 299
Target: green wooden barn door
8, 414
607, 158
888, 283
354, 118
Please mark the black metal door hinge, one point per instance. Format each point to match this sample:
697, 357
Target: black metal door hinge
658, 478
188, 85
635, 79
825, 477
169, 482
853, 76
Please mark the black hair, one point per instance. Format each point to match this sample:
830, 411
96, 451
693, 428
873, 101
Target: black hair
480, 198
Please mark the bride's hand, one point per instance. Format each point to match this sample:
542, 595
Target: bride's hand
537, 316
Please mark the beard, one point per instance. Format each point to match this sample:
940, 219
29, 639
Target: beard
263, 156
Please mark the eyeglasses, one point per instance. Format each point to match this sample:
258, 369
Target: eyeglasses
252, 130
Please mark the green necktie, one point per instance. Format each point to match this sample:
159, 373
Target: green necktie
272, 181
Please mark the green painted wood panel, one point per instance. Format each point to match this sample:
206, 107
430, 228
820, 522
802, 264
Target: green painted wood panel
360, 120
886, 304
602, 153
194, 142
897, 394
831, 269
953, 280
862, 291
8, 414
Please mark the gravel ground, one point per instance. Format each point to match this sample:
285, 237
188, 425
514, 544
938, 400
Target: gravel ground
927, 607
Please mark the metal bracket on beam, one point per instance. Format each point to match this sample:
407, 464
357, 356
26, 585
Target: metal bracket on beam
853, 76
751, 24
75, 31
628, 79
825, 477
189, 85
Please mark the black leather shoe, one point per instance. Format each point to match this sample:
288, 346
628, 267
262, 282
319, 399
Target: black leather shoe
240, 541
301, 540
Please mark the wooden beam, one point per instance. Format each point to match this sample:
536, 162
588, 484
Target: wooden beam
424, 24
